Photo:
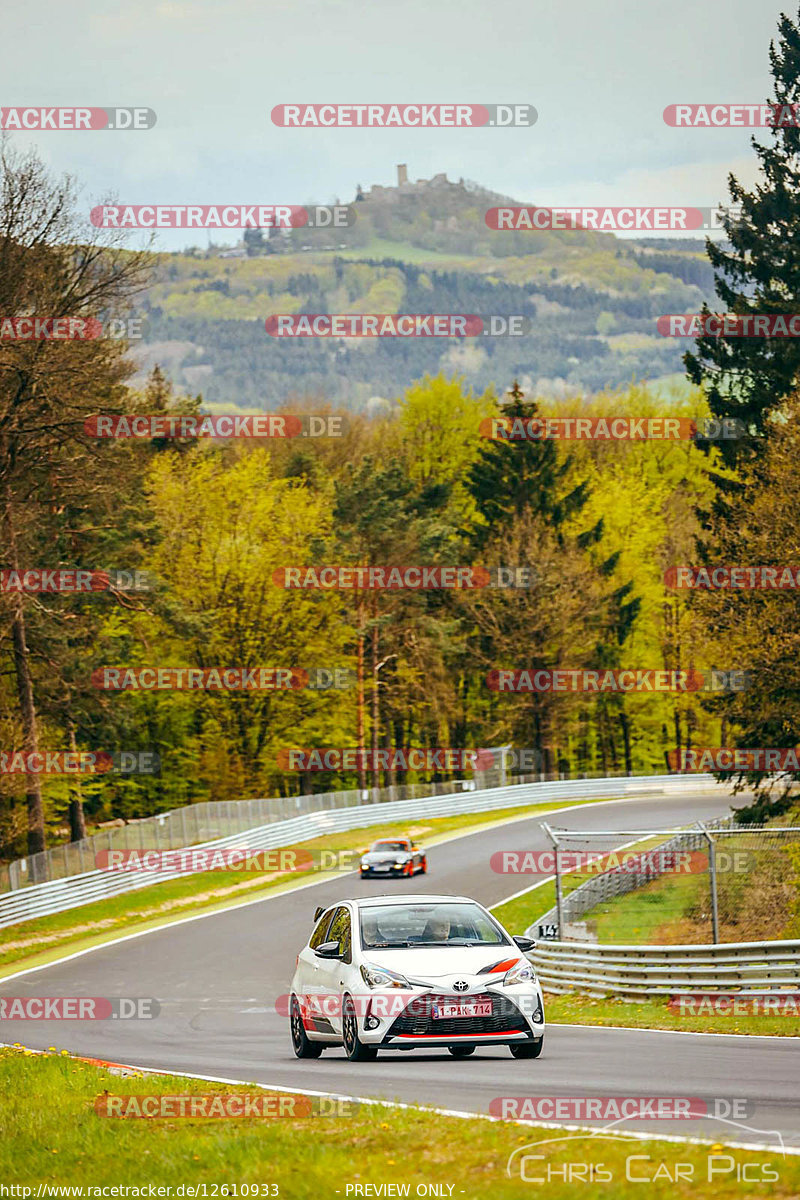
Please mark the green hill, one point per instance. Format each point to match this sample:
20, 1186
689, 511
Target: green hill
592, 298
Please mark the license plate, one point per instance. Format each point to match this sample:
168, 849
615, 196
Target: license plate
474, 1008
381, 868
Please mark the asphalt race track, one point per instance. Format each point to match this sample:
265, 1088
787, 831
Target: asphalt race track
217, 979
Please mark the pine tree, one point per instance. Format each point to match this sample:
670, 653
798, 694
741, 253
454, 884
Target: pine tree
758, 271
512, 477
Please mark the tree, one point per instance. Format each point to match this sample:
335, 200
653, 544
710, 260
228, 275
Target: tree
759, 272
749, 627
512, 477
254, 242
50, 269
225, 527
529, 507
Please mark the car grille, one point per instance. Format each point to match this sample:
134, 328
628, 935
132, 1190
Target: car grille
417, 1019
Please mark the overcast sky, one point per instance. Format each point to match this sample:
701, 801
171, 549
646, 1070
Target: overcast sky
599, 75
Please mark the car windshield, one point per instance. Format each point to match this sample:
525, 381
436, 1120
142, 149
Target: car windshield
391, 926
390, 846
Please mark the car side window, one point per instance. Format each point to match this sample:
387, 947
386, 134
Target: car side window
340, 931
318, 936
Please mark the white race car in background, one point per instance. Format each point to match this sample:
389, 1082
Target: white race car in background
399, 973
393, 856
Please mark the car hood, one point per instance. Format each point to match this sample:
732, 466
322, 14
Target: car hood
379, 856
444, 966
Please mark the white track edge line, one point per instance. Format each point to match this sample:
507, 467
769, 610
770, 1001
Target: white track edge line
453, 1112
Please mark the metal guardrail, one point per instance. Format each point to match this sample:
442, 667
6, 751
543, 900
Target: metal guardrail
602, 970
43, 899
196, 824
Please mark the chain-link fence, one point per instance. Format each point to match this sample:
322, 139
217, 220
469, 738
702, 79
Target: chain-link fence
209, 820
716, 882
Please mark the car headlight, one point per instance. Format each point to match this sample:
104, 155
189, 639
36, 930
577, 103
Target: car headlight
401, 858
364, 862
521, 972
382, 977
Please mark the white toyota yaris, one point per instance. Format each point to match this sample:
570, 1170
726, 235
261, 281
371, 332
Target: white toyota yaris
399, 973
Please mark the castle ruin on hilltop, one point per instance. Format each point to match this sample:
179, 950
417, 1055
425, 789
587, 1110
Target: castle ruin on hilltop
404, 187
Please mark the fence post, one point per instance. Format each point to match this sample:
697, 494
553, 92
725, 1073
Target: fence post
559, 905
712, 874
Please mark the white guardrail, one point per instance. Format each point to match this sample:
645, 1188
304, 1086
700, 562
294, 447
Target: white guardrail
42, 899
602, 970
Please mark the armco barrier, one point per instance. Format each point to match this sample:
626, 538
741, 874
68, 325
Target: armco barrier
42, 899
731, 967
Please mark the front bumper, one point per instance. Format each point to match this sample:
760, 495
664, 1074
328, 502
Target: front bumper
517, 1016
385, 872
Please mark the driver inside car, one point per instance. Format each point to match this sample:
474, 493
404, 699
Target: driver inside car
437, 928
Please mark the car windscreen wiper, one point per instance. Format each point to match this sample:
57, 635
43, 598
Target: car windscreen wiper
460, 942
387, 945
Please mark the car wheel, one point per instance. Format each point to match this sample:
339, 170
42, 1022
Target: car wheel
302, 1047
527, 1049
461, 1051
354, 1048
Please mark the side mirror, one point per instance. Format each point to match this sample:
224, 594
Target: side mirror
525, 943
328, 950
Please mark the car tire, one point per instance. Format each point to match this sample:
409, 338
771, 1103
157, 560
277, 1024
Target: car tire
301, 1045
527, 1049
354, 1048
461, 1051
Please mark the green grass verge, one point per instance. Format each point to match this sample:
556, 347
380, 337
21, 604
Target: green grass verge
40, 941
654, 1014
640, 915
522, 911
52, 1135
